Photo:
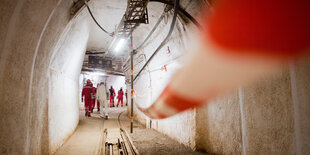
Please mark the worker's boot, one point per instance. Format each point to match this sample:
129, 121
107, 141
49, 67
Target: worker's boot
86, 112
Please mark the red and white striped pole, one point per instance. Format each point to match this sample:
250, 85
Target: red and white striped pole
131, 77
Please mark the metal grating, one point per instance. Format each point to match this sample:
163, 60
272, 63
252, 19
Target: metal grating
136, 13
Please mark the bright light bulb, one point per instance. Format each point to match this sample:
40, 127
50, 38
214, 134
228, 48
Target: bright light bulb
120, 44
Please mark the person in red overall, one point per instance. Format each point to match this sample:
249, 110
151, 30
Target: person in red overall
86, 93
120, 97
93, 98
112, 95
98, 103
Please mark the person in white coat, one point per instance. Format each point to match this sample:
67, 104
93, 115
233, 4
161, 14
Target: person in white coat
101, 96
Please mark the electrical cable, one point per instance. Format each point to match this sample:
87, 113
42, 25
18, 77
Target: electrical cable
182, 11
91, 14
154, 28
176, 8
149, 35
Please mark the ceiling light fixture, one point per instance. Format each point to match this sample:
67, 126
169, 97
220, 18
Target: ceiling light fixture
120, 44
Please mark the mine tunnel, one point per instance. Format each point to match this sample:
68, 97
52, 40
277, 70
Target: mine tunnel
197, 77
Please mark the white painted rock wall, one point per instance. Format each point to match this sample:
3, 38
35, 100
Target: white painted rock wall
41, 58
65, 67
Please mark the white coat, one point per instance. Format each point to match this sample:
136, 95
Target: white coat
101, 93
101, 96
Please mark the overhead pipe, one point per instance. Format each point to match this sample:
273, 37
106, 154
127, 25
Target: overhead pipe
176, 8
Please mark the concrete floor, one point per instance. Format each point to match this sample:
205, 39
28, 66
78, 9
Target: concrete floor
89, 139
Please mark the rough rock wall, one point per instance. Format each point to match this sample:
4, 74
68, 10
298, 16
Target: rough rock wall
24, 108
269, 117
29, 33
218, 127
254, 120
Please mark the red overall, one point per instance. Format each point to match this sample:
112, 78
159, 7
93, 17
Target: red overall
87, 90
112, 94
120, 97
93, 100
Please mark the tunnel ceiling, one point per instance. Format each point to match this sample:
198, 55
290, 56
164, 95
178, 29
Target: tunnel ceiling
109, 13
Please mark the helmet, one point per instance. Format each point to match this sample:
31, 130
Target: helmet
88, 81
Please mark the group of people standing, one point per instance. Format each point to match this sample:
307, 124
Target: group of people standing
120, 95
99, 95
